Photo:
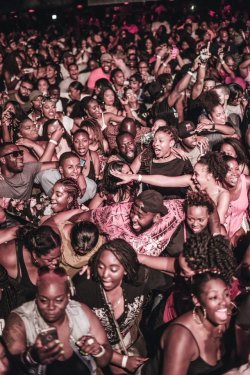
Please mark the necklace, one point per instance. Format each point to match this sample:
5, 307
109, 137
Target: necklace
117, 303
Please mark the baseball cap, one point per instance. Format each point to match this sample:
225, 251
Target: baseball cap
186, 129
106, 57
152, 202
35, 94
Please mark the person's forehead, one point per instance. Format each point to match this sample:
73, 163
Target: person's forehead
126, 139
9, 148
71, 160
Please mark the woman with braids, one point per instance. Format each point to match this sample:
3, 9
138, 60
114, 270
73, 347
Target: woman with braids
200, 252
198, 342
109, 192
33, 248
117, 297
208, 175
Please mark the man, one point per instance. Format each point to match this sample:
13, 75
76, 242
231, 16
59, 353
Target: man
36, 98
67, 59
127, 151
17, 176
189, 142
23, 93
73, 76
102, 72
79, 342
147, 224
69, 166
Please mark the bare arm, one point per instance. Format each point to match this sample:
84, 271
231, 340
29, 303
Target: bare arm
98, 332
97, 201
222, 205
14, 334
158, 263
179, 350
199, 83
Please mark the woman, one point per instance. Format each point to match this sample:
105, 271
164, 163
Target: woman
12, 115
238, 185
64, 144
43, 86
89, 160
200, 252
195, 343
110, 102
33, 248
138, 110
233, 147
80, 241
109, 193
117, 298
93, 111
208, 175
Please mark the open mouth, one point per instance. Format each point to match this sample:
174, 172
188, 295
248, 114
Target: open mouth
222, 314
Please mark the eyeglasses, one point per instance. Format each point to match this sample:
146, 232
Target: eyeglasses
15, 154
26, 88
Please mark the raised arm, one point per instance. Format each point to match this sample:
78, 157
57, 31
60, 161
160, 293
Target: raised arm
166, 264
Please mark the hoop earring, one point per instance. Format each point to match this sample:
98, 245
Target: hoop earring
196, 317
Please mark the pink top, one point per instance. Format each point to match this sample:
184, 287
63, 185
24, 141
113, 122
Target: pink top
95, 75
237, 209
115, 221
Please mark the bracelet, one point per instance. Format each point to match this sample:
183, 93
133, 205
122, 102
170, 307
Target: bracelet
216, 234
139, 178
27, 359
53, 141
190, 73
124, 361
158, 57
222, 62
203, 66
100, 353
164, 64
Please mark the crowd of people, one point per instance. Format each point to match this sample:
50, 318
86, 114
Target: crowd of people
124, 196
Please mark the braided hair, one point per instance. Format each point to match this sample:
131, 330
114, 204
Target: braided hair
203, 252
72, 188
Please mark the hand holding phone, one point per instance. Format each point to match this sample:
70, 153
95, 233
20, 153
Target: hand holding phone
48, 335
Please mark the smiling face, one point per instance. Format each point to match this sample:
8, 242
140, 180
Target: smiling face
201, 176
126, 147
93, 109
215, 297
52, 300
13, 164
162, 144
110, 271
197, 218
81, 144
60, 199
28, 130
71, 167
218, 116
233, 174
140, 220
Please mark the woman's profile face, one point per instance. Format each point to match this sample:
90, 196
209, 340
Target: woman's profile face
94, 109
110, 271
201, 176
81, 144
218, 115
215, 297
60, 199
228, 150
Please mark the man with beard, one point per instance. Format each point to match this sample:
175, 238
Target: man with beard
102, 72
147, 224
23, 93
127, 148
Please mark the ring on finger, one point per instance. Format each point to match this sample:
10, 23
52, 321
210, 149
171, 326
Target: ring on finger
90, 341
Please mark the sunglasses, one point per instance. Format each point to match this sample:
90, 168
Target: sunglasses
15, 153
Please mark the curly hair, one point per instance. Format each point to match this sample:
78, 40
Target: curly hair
72, 188
215, 164
204, 252
199, 198
201, 279
125, 254
236, 145
109, 182
210, 100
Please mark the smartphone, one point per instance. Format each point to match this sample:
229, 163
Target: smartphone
174, 52
28, 70
48, 335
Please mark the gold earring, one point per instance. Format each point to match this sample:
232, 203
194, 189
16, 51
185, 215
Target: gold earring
196, 317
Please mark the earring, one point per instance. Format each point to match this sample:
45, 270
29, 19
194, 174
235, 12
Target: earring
196, 317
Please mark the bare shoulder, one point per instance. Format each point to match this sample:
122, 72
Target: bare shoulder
14, 334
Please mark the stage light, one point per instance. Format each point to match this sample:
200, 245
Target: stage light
54, 17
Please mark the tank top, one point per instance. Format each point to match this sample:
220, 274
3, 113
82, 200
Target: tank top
237, 209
